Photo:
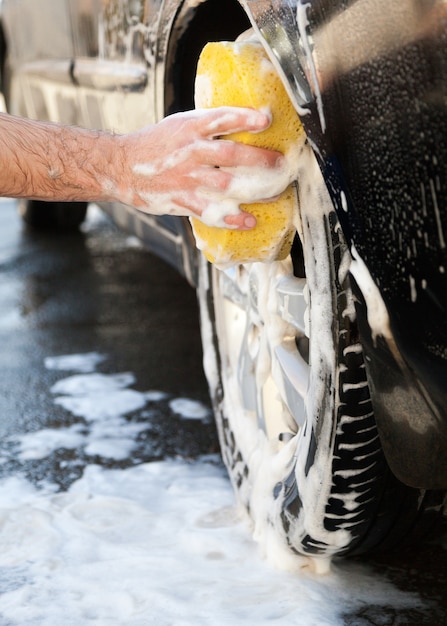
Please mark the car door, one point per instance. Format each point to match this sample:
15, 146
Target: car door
112, 68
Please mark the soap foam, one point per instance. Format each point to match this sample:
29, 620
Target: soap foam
159, 542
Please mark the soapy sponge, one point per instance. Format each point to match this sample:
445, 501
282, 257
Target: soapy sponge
240, 74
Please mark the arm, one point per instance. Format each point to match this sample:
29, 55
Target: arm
179, 166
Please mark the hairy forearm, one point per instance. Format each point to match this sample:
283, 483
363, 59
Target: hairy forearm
46, 161
181, 166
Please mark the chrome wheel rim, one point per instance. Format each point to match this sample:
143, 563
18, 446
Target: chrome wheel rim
261, 323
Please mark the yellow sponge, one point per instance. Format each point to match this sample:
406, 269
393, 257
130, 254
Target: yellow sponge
240, 74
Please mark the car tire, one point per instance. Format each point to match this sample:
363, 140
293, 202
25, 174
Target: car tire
60, 216
294, 415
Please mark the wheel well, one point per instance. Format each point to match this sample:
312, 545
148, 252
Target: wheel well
213, 20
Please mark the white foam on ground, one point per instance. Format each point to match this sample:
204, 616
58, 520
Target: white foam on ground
158, 543
75, 362
189, 409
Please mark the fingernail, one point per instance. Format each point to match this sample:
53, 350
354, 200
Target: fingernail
263, 120
267, 115
280, 161
249, 221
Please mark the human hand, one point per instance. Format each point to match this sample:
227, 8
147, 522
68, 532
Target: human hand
184, 166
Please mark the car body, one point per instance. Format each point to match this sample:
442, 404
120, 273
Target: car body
343, 430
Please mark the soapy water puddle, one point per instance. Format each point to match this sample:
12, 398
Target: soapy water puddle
122, 540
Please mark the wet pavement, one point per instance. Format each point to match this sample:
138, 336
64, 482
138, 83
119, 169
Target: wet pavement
99, 292
94, 291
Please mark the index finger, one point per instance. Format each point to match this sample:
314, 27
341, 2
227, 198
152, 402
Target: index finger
226, 120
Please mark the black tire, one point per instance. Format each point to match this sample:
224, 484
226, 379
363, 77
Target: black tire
292, 407
58, 216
